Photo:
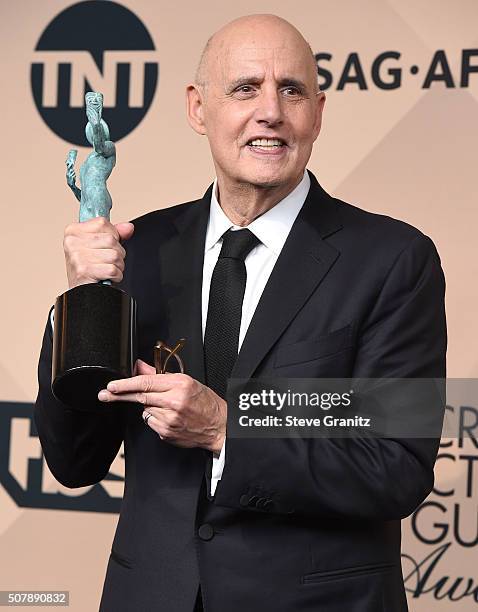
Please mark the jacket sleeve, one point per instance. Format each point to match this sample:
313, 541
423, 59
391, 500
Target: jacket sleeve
79, 447
403, 336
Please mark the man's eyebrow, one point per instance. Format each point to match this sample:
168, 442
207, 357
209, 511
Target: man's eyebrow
244, 80
292, 82
256, 80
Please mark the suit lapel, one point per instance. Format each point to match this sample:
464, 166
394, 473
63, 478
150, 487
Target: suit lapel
304, 261
302, 264
181, 262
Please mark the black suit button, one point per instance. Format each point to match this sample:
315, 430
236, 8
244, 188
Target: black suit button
253, 501
244, 500
206, 532
260, 503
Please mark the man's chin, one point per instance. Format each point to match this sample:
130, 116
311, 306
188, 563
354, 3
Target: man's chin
266, 180
267, 184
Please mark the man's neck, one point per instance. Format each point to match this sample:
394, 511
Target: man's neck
243, 202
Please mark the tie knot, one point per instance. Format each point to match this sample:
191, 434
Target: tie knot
237, 244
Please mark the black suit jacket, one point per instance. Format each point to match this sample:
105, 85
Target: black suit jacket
295, 525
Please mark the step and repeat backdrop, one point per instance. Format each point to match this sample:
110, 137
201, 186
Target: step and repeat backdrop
399, 137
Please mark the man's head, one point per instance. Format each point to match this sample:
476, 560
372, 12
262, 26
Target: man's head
257, 100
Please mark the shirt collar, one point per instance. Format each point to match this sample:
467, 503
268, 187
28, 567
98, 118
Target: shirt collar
272, 228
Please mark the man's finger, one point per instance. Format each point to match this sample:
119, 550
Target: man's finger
144, 368
125, 230
144, 383
138, 397
147, 416
95, 225
159, 427
158, 402
92, 240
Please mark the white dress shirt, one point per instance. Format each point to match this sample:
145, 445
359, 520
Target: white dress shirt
272, 229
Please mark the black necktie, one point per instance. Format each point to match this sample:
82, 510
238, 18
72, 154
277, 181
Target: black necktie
221, 338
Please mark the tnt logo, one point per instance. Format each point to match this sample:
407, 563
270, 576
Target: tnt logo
97, 45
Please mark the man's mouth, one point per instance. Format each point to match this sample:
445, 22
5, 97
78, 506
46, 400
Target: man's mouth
266, 143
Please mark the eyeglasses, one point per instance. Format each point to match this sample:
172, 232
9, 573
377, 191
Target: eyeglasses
160, 348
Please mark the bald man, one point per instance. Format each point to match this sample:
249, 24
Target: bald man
265, 276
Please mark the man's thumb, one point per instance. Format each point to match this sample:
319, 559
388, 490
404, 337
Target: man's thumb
125, 230
143, 368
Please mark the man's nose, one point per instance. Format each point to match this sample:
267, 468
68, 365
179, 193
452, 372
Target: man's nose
269, 107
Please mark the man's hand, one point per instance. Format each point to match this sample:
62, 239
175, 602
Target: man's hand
93, 251
184, 412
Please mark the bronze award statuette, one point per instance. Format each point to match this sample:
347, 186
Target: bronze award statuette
94, 338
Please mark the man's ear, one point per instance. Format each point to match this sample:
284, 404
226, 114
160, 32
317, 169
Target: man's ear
195, 108
320, 102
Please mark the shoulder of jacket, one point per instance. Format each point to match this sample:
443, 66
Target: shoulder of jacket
163, 215
156, 226
379, 230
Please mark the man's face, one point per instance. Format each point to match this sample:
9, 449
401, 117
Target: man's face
261, 111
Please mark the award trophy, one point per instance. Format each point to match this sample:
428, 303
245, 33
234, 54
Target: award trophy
94, 338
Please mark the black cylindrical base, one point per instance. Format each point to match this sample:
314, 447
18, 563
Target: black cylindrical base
94, 342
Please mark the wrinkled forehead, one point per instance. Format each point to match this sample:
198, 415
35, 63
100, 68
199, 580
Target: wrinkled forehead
279, 61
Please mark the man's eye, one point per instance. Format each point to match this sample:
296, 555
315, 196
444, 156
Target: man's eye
244, 89
291, 91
